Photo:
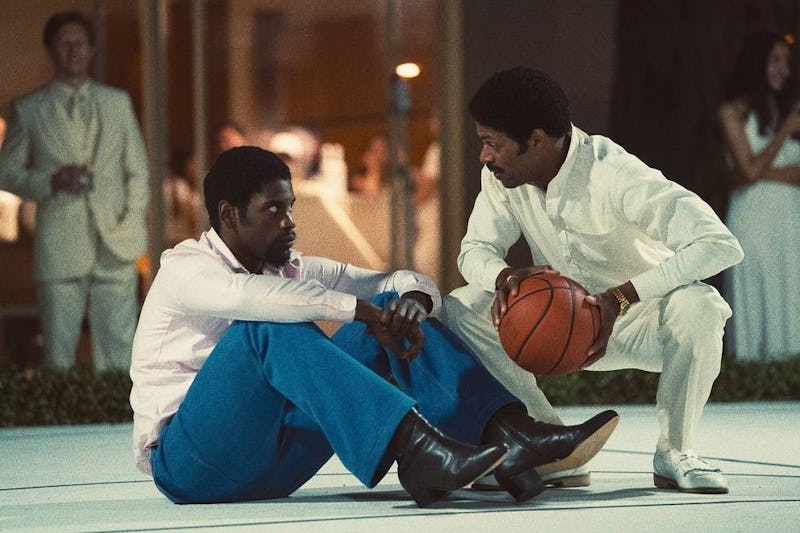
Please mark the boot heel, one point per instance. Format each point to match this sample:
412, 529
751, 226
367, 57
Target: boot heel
426, 497
524, 485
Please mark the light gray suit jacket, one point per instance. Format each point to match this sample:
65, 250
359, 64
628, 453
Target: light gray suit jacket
116, 208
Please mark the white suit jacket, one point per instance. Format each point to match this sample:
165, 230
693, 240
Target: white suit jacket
66, 224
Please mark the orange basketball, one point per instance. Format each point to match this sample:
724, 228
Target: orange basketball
549, 326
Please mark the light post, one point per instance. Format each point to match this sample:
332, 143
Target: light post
403, 208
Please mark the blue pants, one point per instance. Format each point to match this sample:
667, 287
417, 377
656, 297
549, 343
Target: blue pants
273, 402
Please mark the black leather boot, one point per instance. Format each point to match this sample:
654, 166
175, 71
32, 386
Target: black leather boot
431, 464
537, 449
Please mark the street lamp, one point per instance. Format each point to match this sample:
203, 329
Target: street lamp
402, 182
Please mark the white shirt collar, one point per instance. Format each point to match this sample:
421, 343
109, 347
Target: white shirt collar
65, 91
569, 161
289, 270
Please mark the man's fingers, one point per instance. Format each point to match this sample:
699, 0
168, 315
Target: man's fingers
387, 313
512, 285
499, 307
402, 315
417, 341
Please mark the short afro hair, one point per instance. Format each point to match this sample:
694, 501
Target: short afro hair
239, 174
519, 100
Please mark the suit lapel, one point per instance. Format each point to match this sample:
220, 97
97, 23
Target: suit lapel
51, 117
105, 120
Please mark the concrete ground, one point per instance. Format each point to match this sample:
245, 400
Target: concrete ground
82, 478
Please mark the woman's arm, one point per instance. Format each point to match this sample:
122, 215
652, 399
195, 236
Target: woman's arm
751, 167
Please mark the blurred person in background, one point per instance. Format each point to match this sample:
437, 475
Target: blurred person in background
372, 177
182, 202
299, 149
229, 135
760, 122
426, 199
9, 204
74, 147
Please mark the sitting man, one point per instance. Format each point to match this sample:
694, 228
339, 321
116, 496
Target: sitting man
238, 396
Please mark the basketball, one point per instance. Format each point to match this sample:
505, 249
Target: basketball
549, 326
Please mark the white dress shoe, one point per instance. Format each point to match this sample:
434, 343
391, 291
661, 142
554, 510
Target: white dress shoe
686, 472
574, 477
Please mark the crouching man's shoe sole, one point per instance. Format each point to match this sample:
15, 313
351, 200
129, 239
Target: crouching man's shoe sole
583, 453
563, 479
567, 482
666, 483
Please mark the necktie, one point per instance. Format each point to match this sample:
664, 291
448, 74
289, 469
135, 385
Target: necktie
75, 108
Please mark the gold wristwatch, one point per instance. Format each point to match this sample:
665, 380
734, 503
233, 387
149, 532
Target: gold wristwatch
624, 303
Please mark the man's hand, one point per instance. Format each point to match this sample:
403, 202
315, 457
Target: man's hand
396, 326
609, 306
508, 283
70, 179
407, 312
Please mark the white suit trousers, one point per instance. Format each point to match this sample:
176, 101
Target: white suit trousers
109, 292
679, 335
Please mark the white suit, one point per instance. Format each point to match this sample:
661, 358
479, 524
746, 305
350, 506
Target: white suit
86, 245
607, 218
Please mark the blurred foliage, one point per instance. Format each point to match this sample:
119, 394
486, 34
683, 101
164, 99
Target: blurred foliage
56, 397
80, 396
772, 381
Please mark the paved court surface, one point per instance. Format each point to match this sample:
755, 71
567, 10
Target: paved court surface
82, 478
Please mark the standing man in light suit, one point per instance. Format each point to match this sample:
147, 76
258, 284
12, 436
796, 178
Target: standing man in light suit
74, 147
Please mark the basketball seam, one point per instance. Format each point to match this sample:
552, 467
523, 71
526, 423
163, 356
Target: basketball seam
549, 288
531, 330
571, 328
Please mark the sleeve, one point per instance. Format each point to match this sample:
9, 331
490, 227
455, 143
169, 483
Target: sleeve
491, 230
15, 176
137, 174
199, 284
678, 218
366, 284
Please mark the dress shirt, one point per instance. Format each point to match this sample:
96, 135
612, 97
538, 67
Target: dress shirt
78, 104
201, 288
605, 218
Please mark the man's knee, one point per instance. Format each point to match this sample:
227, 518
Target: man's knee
261, 336
696, 309
467, 303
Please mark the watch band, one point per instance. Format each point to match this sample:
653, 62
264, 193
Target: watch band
624, 303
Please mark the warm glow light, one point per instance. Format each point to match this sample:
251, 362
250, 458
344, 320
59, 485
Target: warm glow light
407, 70
789, 38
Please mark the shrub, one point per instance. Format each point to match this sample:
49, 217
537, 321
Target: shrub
53, 397
736, 382
79, 396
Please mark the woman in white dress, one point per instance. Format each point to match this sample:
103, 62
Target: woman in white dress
760, 123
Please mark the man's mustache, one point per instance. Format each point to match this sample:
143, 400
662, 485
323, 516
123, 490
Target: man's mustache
495, 169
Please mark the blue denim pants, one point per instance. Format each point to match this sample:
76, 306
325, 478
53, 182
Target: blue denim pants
273, 402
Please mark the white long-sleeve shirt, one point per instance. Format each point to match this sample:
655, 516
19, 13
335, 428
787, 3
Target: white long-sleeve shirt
605, 218
201, 288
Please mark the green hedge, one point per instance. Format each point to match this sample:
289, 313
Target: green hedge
736, 382
52, 397
79, 396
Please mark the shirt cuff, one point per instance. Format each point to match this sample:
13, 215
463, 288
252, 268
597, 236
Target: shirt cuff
650, 284
342, 307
